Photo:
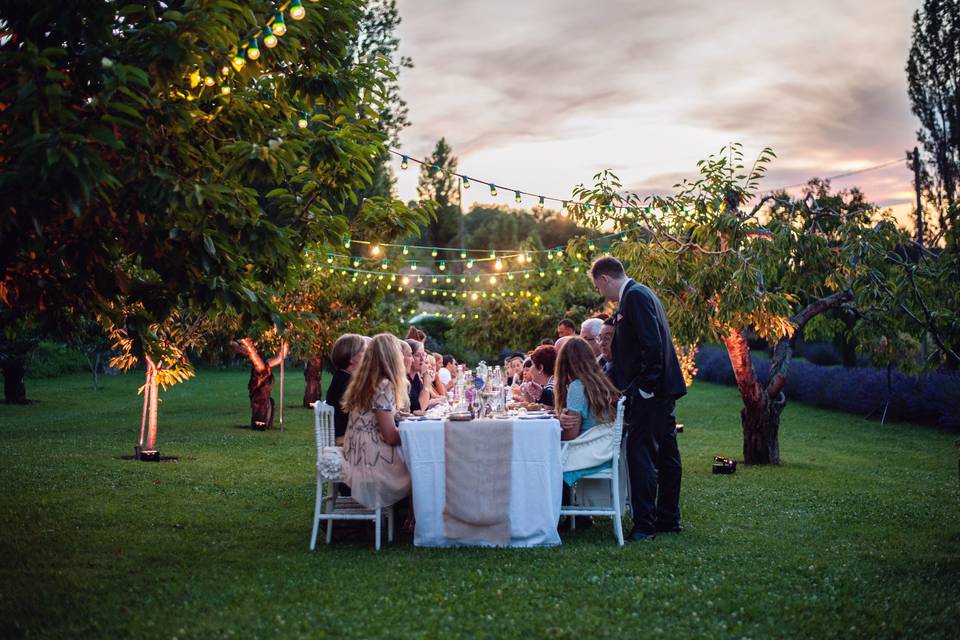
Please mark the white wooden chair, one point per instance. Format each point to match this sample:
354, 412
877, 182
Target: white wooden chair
330, 505
612, 475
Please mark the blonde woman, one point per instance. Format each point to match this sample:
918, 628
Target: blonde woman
584, 399
373, 466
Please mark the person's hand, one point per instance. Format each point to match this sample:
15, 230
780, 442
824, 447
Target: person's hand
428, 377
516, 391
570, 420
532, 390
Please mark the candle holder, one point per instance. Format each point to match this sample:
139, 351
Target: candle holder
146, 455
724, 466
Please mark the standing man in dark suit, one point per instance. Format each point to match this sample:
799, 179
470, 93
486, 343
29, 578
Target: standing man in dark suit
648, 373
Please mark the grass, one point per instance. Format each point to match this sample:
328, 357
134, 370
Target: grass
857, 534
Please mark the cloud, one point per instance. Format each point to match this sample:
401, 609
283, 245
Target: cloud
543, 94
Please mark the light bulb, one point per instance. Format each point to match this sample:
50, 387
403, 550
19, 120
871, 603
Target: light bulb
406, 251
466, 182
498, 265
296, 10
517, 197
470, 264
413, 265
493, 190
442, 266
346, 241
540, 203
463, 254
208, 81
329, 258
225, 90
493, 279
238, 62
224, 70
384, 264
279, 26
437, 171
433, 253
404, 163
253, 50
356, 262
521, 258
269, 39
566, 209
375, 250
302, 122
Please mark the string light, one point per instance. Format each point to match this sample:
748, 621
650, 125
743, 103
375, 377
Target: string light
297, 12
498, 265
493, 190
269, 38
346, 241
437, 171
208, 81
466, 182
225, 90
238, 61
302, 122
517, 198
442, 266
404, 163
253, 50
279, 26
375, 250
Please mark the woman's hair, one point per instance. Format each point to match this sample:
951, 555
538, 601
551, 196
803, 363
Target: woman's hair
346, 346
415, 345
544, 356
416, 334
578, 362
382, 360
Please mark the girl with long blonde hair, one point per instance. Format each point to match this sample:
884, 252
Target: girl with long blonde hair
373, 465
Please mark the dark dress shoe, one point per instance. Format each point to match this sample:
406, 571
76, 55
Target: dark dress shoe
640, 536
676, 529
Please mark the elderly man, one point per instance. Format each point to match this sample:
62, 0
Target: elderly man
590, 331
605, 340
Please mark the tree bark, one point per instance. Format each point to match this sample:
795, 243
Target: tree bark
260, 386
14, 388
313, 373
763, 404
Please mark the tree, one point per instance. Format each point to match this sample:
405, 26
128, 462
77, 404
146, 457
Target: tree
721, 270
438, 184
166, 364
933, 77
148, 168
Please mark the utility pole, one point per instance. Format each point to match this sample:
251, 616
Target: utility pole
916, 186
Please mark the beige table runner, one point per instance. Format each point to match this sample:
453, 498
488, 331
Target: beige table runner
478, 458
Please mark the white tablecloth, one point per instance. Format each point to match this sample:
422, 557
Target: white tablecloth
536, 482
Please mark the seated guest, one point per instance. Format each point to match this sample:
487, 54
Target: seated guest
605, 340
517, 388
345, 356
373, 466
590, 331
546, 341
540, 387
566, 328
448, 372
514, 369
585, 398
433, 362
560, 342
420, 381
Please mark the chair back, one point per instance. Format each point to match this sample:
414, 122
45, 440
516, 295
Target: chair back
618, 432
323, 425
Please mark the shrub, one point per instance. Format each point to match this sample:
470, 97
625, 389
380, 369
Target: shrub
51, 359
933, 398
821, 353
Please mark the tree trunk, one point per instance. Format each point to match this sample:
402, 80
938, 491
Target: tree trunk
14, 389
260, 389
760, 418
313, 372
150, 441
762, 405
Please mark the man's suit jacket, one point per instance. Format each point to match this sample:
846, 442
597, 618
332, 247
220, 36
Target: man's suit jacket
642, 347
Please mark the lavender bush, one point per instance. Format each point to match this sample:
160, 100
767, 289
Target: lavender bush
933, 398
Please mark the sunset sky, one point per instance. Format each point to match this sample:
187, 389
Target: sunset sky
541, 95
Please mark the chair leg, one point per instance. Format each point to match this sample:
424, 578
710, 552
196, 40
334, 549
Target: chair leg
316, 515
617, 511
376, 530
390, 524
331, 507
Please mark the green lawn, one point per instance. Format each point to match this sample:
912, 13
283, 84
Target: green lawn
857, 534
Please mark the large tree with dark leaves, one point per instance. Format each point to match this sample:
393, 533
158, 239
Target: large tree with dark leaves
933, 76
150, 164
